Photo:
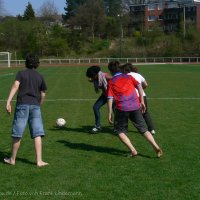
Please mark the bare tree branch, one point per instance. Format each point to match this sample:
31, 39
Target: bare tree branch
48, 10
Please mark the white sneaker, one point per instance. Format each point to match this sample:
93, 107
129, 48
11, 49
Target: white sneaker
96, 130
153, 132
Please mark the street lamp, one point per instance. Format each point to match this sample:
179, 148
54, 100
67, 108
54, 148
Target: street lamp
184, 20
121, 36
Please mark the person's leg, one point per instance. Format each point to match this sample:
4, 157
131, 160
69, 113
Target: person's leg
38, 150
123, 137
15, 147
152, 141
138, 121
121, 128
147, 118
19, 124
96, 108
37, 131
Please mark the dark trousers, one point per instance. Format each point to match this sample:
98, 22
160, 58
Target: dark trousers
147, 117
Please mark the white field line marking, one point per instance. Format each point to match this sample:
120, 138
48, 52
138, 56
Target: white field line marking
159, 98
154, 98
9, 74
175, 98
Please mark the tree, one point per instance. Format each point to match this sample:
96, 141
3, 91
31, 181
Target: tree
57, 41
48, 10
113, 7
90, 17
29, 13
71, 8
112, 27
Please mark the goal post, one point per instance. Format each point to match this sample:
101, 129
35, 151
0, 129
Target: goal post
5, 59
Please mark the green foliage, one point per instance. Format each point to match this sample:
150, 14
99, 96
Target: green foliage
113, 7
137, 34
57, 41
90, 17
29, 13
71, 7
112, 28
98, 45
90, 27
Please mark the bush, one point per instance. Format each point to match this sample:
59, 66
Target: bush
98, 45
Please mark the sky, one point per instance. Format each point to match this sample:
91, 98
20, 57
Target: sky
15, 7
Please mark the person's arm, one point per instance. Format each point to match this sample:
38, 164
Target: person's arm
43, 94
43, 90
142, 81
110, 102
144, 84
13, 91
108, 76
140, 91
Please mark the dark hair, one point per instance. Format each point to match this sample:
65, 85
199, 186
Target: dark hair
114, 67
32, 61
128, 67
134, 69
93, 71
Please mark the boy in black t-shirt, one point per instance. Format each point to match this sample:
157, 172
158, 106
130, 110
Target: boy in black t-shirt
31, 89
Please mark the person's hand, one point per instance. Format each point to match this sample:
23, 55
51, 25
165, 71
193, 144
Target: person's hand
8, 108
110, 119
142, 107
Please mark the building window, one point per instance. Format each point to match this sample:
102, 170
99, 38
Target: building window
175, 16
172, 5
160, 17
151, 6
160, 6
136, 2
151, 18
193, 19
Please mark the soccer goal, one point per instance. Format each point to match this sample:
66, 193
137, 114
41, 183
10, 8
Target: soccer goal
5, 58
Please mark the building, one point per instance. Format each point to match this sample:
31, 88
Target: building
169, 15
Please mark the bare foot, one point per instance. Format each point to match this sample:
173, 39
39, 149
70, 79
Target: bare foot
42, 164
9, 161
159, 153
134, 153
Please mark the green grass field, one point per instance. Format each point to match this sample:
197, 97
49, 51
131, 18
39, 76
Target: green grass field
85, 166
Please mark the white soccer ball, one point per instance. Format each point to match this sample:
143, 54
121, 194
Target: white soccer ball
60, 122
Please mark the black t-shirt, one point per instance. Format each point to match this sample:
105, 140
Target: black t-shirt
31, 85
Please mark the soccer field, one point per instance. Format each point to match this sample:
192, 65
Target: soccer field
86, 166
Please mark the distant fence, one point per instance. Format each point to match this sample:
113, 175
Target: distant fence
68, 61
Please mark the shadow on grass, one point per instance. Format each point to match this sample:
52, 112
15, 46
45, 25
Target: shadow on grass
23, 160
3, 155
89, 147
83, 129
26, 161
108, 150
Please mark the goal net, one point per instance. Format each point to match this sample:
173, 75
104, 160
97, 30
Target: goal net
5, 58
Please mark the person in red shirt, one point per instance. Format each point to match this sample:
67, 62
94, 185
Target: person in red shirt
122, 89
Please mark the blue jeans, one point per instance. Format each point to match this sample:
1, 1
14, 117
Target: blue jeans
98, 104
27, 113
